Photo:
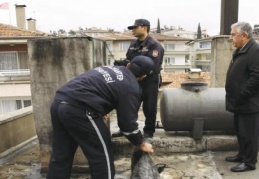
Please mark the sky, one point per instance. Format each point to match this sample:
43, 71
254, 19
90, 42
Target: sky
119, 14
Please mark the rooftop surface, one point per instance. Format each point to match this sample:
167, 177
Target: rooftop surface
203, 163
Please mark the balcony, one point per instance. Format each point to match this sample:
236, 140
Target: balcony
14, 75
203, 51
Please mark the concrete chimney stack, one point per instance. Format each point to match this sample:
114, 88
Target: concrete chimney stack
31, 24
20, 16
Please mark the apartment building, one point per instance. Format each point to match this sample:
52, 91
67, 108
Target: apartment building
95, 32
14, 68
178, 32
176, 56
15, 90
201, 53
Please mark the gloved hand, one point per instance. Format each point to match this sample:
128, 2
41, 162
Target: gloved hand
121, 62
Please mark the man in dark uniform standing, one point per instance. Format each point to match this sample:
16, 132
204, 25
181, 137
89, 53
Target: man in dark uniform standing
150, 47
242, 95
77, 117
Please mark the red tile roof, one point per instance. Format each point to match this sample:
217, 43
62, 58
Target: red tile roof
162, 37
117, 37
129, 36
12, 31
174, 80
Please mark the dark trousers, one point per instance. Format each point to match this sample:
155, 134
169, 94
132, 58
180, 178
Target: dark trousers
73, 128
149, 101
247, 131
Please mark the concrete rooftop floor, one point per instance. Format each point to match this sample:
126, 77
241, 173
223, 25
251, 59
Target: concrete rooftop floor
184, 157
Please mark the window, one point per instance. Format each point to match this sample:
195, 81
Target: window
124, 46
18, 104
169, 60
169, 47
13, 105
23, 60
13, 61
8, 61
26, 103
205, 45
8, 106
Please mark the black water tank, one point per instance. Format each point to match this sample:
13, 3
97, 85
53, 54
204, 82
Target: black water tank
179, 107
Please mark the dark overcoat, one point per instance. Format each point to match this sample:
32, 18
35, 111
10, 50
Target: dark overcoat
242, 80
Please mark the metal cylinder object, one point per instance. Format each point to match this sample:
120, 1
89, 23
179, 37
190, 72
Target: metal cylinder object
181, 107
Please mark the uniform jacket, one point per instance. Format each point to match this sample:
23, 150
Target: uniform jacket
103, 89
242, 82
150, 47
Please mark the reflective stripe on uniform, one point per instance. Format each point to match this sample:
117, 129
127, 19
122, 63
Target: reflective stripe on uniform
129, 133
103, 144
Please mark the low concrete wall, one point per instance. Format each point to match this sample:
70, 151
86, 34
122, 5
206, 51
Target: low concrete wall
166, 143
16, 130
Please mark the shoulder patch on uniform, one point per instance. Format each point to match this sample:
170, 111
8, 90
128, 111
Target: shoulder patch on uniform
155, 53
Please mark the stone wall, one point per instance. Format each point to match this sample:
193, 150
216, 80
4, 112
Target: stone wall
53, 62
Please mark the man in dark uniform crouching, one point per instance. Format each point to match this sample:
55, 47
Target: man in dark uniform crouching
77, 117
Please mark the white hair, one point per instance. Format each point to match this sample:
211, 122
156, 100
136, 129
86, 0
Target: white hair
243, 27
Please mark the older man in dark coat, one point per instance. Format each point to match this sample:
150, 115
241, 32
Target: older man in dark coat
242, 95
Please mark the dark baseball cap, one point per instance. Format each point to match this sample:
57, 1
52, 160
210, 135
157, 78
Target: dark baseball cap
139, 22
141, 65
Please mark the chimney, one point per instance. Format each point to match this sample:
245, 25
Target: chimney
31, 24
20, 16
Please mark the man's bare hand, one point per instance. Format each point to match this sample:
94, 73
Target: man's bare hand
106, 117
146, 147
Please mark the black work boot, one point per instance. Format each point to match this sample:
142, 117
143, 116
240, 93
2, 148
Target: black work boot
117, 134
147, 134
